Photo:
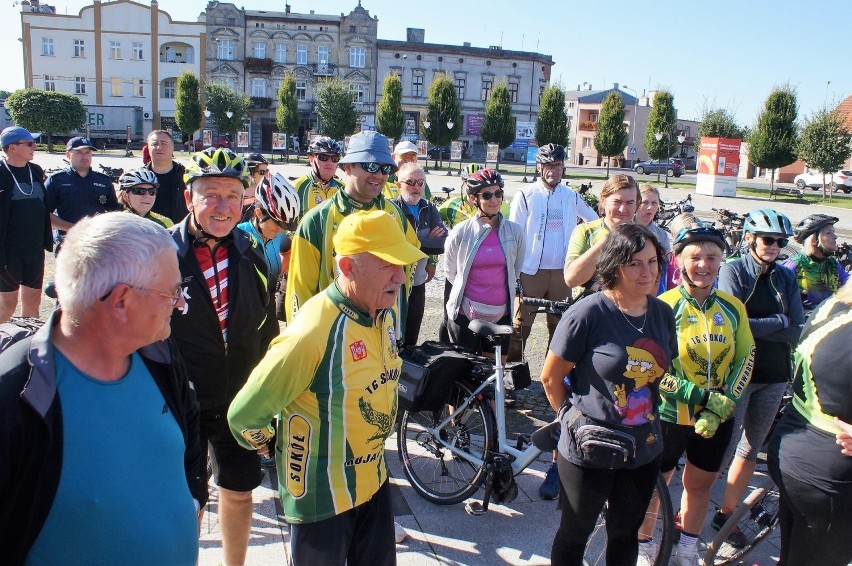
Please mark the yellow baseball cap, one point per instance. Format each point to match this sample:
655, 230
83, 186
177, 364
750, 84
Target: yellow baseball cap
378, 233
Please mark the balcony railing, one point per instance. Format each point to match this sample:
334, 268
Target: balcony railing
261, 102
258, 65
588, 125
324, 69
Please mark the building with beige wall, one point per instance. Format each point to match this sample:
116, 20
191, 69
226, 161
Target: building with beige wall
118, 53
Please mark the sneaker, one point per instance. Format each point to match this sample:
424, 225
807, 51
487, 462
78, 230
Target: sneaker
549, 488
686, 556
736, 538
719, 519
511, 399
399, 533
647, 553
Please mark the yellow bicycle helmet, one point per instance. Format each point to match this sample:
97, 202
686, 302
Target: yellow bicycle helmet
217, 162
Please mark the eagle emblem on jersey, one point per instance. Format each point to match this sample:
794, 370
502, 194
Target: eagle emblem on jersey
378, 419
707, 368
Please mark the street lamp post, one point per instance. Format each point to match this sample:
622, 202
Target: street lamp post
666, 130
450, 125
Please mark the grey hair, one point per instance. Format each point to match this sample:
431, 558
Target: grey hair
103, 251
409, 168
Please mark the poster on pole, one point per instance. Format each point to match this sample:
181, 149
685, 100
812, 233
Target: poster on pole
279, 141
422, 148
207, 138
456, 150
491, 153
242, 140
531, 153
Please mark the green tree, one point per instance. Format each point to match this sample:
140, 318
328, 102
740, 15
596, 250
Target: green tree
773, 142
718, 123
611, 136
390, 119
220, 100
287, 114
336, 108
188, 115
442, 108
824, 144
552, 123
662, 118
498, 126
46, 111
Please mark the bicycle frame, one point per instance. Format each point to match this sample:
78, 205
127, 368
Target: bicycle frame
521, 459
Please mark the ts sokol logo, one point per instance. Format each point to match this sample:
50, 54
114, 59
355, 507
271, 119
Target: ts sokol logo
359, 350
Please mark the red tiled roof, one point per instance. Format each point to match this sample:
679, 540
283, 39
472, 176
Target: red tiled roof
845, 111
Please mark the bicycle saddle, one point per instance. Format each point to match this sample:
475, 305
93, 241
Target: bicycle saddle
487, 329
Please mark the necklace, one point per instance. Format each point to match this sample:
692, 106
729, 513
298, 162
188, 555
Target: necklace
32, 186
641, 328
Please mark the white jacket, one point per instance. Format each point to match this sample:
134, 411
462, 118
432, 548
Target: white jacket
529, 210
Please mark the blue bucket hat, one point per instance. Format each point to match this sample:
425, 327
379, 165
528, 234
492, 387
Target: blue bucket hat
15, 134
369, 147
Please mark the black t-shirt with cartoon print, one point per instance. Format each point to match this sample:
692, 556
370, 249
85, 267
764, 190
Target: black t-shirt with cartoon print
618, 367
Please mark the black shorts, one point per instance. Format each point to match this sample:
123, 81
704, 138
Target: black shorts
234, 467
18, 271
703, 453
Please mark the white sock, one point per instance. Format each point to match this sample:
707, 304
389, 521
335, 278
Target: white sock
687, 541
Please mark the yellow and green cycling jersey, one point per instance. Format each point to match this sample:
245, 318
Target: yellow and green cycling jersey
312, 262
312, 193
715, 352
331, 377
583, 237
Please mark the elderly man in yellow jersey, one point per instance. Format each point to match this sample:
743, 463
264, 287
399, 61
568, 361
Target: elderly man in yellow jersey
321, 183
332, 375
367, 165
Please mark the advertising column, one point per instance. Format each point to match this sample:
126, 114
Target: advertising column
718, 166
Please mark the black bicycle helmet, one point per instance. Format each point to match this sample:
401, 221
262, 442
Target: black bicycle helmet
483, 178
325, 145
698, 232
812, 224
253, 160
550, 153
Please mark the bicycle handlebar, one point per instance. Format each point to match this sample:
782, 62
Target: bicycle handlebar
555, 307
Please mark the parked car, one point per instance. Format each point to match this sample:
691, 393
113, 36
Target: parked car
813, 178
674, 166
220, 141
433, 152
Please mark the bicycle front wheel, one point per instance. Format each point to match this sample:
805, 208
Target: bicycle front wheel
435, 472
664, 529
755, 518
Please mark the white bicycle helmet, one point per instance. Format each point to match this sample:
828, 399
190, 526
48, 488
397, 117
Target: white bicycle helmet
279, 200
139, 176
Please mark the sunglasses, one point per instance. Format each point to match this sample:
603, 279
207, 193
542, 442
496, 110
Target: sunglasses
324, 158
376, 167
140, 192
413, 183
26, 143
769, 240
486, 195
261, 171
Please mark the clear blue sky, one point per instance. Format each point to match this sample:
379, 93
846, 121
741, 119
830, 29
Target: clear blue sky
721, 53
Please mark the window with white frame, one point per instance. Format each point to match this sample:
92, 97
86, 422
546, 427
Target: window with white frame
280, 52
322, 54
417, 85
225, 50
170, 88
587, 143
115, 86
190, 54
137, 51
49, 82
47, 46
357, 57
258, 87
513, 91
115, 50
301, 54
487, 85
79, 85
460, 88
138, 87
79, 48
360, 92
258, 50
301, 90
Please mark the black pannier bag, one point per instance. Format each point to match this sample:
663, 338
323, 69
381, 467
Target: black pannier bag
428, 374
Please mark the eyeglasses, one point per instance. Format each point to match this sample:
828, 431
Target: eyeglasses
486, 195
175, 296
322, 157
141, 192
412, 182
769, 240
26, 143
376, 167
261, 171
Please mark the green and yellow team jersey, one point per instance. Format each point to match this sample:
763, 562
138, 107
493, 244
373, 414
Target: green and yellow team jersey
331, 377
715, 352
458, 209
312, 261
583, 237
312, 193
